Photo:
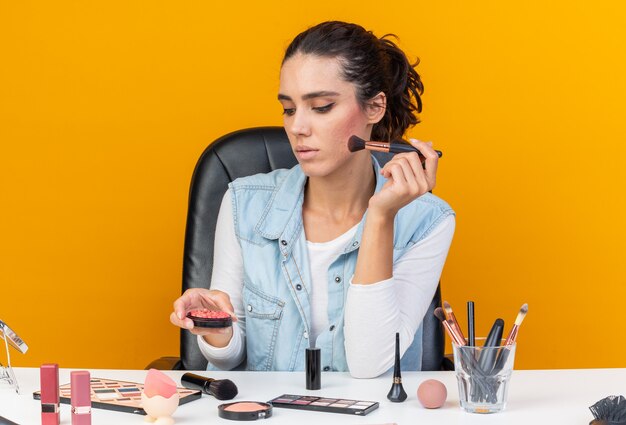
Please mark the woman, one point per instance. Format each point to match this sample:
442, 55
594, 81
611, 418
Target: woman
337, 252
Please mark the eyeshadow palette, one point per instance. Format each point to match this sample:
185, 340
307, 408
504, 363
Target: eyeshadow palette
122, 396
323, 404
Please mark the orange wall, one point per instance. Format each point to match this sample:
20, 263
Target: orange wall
106, 105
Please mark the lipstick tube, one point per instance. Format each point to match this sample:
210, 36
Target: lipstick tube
49, 381
81, 398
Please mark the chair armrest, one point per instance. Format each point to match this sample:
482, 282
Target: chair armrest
448, 362
166, 363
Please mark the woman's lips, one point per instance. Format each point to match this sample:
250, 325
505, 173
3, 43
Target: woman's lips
305, 153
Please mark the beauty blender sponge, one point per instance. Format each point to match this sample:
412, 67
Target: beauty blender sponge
158, 383
159, 398
432, 394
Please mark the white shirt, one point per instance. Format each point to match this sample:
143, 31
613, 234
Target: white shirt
373, 313
321, 256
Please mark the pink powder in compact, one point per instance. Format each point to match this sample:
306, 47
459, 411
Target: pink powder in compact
245, 406
209, 314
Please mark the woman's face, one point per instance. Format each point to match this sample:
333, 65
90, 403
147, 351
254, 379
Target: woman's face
321, 112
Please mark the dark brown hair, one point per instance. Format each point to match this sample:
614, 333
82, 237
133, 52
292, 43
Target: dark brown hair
373, 65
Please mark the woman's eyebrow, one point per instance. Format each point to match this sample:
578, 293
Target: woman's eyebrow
309, 96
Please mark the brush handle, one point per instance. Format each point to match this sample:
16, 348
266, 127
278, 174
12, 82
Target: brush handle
512, 336
485, 388
503, 356
471, 336
504, 353
454, 336
196, 382
455, 325
396, 147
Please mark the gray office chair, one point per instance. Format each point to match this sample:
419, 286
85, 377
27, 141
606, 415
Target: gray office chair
238, 154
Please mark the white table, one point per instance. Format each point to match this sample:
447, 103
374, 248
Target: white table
535, 397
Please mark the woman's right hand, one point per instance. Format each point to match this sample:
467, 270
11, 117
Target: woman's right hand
198, 299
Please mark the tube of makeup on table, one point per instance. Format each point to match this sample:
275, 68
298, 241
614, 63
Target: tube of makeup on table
396, 393
81, 397
49, 381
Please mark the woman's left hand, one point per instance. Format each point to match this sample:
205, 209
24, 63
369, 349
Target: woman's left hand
407, 179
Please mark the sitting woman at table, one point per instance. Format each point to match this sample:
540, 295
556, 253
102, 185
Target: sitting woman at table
337, 252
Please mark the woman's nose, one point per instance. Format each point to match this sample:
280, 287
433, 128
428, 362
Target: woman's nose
300, 125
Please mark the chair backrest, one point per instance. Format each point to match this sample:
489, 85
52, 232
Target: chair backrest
239, 154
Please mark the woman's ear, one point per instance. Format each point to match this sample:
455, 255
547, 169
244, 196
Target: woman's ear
376, 107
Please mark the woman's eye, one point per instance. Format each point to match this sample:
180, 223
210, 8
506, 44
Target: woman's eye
325, 108
289, 111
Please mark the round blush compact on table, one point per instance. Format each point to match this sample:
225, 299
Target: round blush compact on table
245, 410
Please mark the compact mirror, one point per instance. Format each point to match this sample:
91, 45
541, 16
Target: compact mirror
12, 339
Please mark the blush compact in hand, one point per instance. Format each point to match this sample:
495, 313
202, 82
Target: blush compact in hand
206, 318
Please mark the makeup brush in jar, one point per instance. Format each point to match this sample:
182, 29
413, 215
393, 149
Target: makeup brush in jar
447, 308
510, 339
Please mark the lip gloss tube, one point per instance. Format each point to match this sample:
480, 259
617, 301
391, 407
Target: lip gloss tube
49, 381
81, 398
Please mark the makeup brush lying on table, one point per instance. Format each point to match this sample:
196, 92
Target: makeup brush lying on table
221, 389
355, 143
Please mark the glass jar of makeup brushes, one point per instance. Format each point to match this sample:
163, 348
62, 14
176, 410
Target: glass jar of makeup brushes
483, 375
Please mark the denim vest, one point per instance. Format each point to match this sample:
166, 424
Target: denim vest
267, 210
